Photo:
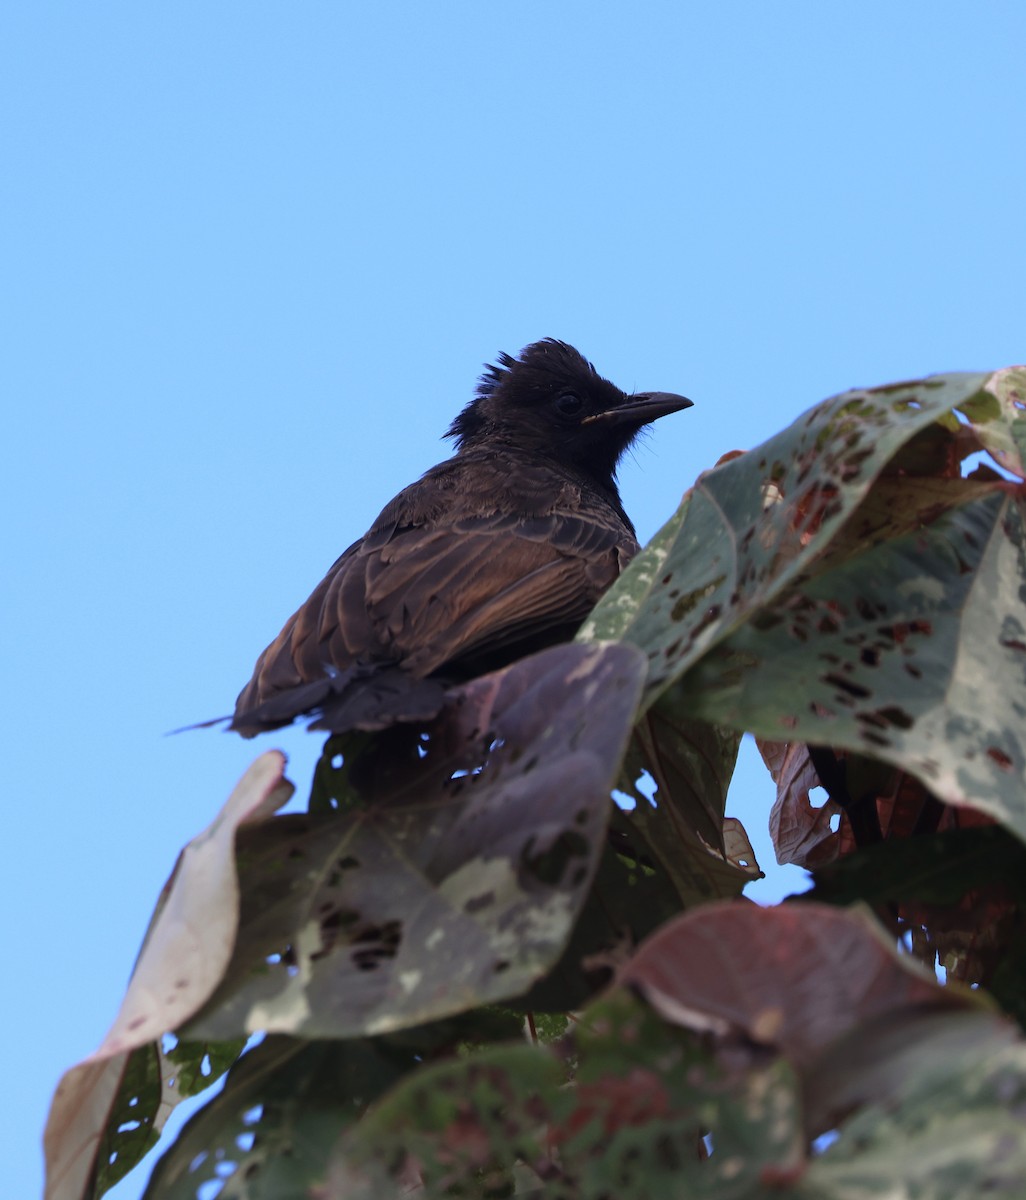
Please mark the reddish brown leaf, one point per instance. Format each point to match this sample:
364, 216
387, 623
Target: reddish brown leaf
794, 978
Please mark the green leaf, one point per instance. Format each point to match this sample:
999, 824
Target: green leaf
911, 651
674, 849
133, 1124
459, 884
628, 1125
950, 1123
750, 527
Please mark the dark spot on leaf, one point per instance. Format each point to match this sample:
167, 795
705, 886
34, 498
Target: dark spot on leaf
867, 610
712, 615
549, 866
896, 716
766, 620
870, 656
375, 944
501, 965
691, 599
875, 739
847, 685
999, 757
476, 903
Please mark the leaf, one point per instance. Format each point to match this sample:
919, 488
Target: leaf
184, 954
152, 1083
937, 869
794, 977
999, 418
962, 894
843, 585
617, 1107
801, 831
679, 828
628, 1124
269, 1132
911, 651
751, 526
458, 884
674, 849
948, 1124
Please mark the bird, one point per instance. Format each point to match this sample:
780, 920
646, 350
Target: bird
499, 551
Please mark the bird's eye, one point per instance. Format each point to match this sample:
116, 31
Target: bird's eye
569, 404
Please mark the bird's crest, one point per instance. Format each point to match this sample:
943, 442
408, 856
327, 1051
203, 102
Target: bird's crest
532, 372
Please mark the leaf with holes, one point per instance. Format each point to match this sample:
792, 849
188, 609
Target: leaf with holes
803, 832
912, 650
750, 527
269, 1132
677, 825
672, 850
458, 886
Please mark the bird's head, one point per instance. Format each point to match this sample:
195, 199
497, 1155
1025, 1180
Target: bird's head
552, 401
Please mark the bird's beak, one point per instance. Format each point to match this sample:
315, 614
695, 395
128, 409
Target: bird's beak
641, 408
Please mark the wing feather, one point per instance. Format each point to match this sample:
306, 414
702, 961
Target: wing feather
437, 586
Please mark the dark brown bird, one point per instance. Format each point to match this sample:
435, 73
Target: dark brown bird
498, 552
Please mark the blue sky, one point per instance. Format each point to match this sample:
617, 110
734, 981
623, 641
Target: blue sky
245, 245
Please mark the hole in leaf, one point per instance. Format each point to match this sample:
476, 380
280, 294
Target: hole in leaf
648, 787
824, 1141
984, 459
818, 796
835, 822
623, 801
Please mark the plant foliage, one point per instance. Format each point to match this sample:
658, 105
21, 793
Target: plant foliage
508, 953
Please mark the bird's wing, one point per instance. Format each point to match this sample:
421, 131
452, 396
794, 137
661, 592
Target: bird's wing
488, 583
428, 597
